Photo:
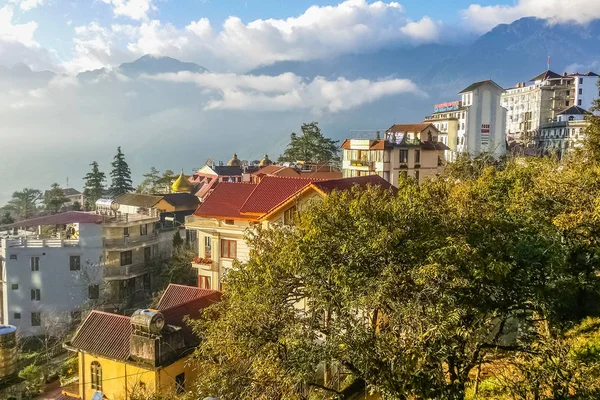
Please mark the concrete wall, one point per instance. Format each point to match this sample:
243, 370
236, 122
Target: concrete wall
486, 113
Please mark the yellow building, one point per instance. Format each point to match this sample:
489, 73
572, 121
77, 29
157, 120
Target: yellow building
147, 352
222, 219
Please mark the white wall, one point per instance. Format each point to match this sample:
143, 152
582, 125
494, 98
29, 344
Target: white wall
486, 113
589, 89
61, 290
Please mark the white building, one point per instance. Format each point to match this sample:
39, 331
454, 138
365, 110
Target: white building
564, 134
484, 120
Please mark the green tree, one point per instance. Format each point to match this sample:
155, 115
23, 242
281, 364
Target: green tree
177, 240
94, 185
177, 269
151, 182
311, 147
76, 206
409, 294
33, 376
24, 203
165, 181
121, 175
55, 198
591, 141
6, 219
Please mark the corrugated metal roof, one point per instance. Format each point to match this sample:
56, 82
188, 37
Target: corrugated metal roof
104, 334
138, 200
175, 295
70, 217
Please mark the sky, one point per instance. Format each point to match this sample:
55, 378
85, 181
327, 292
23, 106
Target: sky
55, 125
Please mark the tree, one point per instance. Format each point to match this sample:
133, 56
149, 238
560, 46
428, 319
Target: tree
94, 185
33, 376
409, 294
76, 206
6, 219
55, 198
121, 175
311, 147
591, 141
24, 203
177, 240
165, 181
151, 182
177, 269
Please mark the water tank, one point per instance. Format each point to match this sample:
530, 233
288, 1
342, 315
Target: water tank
107, 204
149, 321
8, 351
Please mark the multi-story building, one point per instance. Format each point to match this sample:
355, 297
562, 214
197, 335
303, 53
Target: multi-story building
406, 150
567, 132
531, 106
120, 357
449, 118
484, 120
224, 217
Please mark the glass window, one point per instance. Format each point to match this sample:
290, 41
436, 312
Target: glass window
228, 248
14, 286
403, 155
126, 258
289, 216
417, 156
143, 230
96, 375
94, 292
180, 382
36, 319
125, 232
74, 263
17, 315
580, 91
147, 253
35, 294
35, 263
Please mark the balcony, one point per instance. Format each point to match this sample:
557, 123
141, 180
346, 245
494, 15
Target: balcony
40, 243
361, 164
205, 264
125, 243
115, 271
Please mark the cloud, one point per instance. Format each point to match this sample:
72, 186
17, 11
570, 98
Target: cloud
288, 91
20, 33
483, 18
135, 9
27, 5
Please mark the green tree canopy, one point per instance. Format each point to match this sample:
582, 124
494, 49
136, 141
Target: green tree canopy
55, 198
156, 183
311, 147
24, 203
121, 175
6, 218
94, 185
408, 293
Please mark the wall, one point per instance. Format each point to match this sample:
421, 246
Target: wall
486, 110
589, 91
167, 376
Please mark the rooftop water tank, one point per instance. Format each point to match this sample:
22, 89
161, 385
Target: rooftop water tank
8, 351
148, 321
107, 204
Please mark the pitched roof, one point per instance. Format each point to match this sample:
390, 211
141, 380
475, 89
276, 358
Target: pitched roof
104, 334
138, 200
475, 85
175, 295
278, 170
347, 183
322, 175
64, 396
545, 76
182, 200
69, 217
71, 192
227, 170
373, 144
574, 110
402, 128
271, 191
226, 200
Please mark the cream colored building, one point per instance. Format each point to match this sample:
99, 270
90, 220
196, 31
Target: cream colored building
408, 150
449, 118
564, 134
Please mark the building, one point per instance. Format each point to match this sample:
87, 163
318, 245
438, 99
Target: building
484, 120
449, 118
146, 353
406, 150
223, 218
532, 106
567, 132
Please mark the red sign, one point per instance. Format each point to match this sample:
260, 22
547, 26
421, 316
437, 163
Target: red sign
485, 128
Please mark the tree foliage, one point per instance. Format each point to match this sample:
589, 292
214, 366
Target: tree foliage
591, 141
311, 147
408, 293
55, 198
121, 175
24, 203
94, 185
156, 183
6, 218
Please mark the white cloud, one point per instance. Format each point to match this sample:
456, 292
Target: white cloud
21, 33
135, 9
425, 30
288, 91
483, 18
27, 5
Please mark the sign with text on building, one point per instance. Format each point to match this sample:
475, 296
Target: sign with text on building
485, 134
448, 106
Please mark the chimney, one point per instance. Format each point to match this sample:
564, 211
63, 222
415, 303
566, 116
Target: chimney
220, 163
565, 73
151, 341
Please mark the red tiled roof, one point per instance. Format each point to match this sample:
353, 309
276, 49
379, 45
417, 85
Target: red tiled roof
104, 334
64, 396
175, 295
69, 217
226, 200
347, 183
373, 144
271, 191
278, 170
322, 175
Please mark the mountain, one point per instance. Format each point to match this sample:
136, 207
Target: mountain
147, 64
509, 53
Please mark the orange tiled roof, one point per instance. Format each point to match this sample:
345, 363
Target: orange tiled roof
347, 183
373, 144
104, 334
271, 191
175, 295
322, 175
278, 170
226, 200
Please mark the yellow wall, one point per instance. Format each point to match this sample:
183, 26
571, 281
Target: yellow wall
120, 379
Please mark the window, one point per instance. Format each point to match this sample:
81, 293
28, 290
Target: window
96, 375
289, 216
228, 248
417, 156
579, 102
581, 81
207, 247
180, 382
17, 315
125, 232
36, 319
571, 118
143, 230
75, 263
229, 222
417, 175
14, 286
147, 253
204, 282
35, 263
403, 155
12, 257
126, 258
35, 294
580, 91
94, 292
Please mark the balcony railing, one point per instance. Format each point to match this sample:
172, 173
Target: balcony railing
127, 242
361, 163
117, 271
39, 243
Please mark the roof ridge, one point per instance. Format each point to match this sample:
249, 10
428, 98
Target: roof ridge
212, 292
107, 313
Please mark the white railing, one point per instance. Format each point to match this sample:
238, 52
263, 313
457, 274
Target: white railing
126, 270
39, 243
125, 242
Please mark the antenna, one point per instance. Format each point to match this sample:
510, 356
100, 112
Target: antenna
548, 63
67, 182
